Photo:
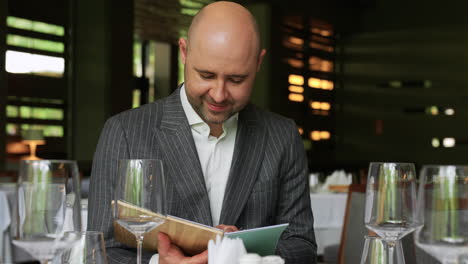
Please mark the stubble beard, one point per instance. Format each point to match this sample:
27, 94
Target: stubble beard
208, 116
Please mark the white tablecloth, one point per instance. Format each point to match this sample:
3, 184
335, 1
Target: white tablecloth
5, 220
329, 210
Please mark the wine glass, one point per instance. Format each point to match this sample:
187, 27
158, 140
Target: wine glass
139, 205
444, 207
44, 187
375, 251
391, 202
89, 249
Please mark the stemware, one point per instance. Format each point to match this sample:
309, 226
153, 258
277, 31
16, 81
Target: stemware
89, 249
139, 205
44, 188
391, 202
375, 251
444, 207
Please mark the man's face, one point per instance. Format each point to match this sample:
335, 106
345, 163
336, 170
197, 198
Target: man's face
218, 79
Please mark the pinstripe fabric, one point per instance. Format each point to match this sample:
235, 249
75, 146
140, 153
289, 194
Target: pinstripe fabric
267, 183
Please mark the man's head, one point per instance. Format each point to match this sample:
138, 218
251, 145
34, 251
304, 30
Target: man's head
222, 56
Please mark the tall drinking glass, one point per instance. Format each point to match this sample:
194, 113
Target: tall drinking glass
139, 204
391, 202
445, 211
45, 187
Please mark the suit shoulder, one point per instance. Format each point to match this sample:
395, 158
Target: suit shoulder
146, 113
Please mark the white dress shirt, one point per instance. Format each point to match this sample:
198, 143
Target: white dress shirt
215, 154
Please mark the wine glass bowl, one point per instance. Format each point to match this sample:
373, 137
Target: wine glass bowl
43, 189
139, 204
444, 207
391, 200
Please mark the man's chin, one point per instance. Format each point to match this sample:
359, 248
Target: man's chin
217, 120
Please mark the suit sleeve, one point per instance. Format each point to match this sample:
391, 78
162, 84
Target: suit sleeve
112, 147
297, 244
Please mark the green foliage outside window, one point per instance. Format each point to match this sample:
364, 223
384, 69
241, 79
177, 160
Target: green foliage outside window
48, 130
12, 111
26, 24
25, 111
34, 43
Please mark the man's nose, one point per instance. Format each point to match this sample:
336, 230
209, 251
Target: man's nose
219, 92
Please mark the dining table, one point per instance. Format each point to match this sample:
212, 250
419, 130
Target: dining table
329, 211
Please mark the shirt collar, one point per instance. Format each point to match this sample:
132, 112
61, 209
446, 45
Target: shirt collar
192, 116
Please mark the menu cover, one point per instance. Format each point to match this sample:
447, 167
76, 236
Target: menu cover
193, 237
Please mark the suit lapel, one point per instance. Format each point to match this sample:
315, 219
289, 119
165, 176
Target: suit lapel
247, 159
175, 138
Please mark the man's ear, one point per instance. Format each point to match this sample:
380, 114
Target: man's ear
260, 59
183, 49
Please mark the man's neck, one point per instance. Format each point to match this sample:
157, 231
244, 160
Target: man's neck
216, 130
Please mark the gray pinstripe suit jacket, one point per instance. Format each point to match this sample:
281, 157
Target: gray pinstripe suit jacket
267, 182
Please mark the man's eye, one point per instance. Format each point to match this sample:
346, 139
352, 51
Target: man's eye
237, 80
207, 76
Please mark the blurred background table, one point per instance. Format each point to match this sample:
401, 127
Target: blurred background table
329, 211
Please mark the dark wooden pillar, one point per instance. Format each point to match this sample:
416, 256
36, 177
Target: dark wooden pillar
101, 67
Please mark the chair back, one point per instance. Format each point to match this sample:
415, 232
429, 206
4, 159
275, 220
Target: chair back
352, 235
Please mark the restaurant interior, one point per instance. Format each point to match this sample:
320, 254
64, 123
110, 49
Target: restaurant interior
364, 80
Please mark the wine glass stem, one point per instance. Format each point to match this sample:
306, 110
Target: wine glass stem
391, 251
139, 247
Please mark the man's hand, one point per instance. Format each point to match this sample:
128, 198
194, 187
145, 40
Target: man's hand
171, 254
227, 228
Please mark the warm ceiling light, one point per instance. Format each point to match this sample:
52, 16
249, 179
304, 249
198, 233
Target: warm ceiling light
324, 135
325, 106
314, 82
296, 41
296, 89
435, 142
315, 105
295, 63
296, 97
325, 33
301, 130
448, 142
315, 135
296, 79
449, 111
432, 110
327, 85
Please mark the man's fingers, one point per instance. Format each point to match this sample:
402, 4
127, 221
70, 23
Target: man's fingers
164, 243
227, 228
201, 258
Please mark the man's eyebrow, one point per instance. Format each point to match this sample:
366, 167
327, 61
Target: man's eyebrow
203, 71
241, 76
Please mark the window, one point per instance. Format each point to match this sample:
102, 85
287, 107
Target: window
42, 54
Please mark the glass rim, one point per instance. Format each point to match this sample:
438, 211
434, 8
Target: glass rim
444, 166
391, 162
50, 161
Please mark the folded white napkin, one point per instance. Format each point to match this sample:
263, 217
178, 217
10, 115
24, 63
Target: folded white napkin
225, 250
4, 214
154, 259
338, 177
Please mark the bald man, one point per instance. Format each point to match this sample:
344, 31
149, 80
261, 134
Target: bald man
227, 163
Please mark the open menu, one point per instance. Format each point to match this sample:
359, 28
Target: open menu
193, 237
